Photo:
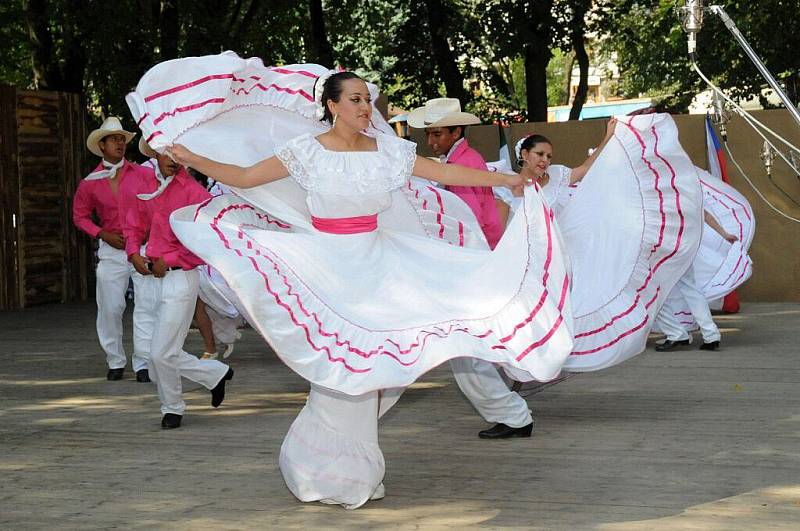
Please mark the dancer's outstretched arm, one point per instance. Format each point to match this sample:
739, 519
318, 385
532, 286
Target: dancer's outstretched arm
581, 171
453, 174
714, 224
263, 172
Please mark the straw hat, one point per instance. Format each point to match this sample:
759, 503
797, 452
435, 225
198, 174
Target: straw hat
111, 126
146, 150
441, 112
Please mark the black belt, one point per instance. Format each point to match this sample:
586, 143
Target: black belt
173, 268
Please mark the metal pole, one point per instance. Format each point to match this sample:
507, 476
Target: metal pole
720, 12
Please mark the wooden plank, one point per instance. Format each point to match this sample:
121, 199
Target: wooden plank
79, 251
43, 258
41, 245
9, 200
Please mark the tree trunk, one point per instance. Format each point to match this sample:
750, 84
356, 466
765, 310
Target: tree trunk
579, 44
536, 60
442, 54
537, 37
73, 48
46, 74
320, 50
568, 77
169, 29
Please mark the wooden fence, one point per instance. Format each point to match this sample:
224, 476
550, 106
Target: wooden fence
43, 257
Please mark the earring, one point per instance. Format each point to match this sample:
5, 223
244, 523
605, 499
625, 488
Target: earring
335, 116
520, 162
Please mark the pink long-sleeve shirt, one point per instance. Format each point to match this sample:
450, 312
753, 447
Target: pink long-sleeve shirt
96, 196
137, 215
162, 243
479, 198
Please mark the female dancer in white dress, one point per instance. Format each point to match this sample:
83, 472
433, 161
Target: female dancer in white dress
722, 263
362, 279
630, 217
361, 299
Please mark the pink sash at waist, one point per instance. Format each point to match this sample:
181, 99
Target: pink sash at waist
354, 225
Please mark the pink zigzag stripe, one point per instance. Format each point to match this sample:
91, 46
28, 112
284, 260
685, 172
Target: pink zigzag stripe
189, 85
729, 197
187, 108
651, 272
289, 71
623, 335
279, 88
741, 236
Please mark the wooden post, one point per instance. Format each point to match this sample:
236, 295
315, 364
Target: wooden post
9, 200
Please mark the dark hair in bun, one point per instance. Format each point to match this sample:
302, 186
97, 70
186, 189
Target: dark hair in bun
532, 140
332, 90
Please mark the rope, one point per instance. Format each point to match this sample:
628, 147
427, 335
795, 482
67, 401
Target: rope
753, 186
753, 122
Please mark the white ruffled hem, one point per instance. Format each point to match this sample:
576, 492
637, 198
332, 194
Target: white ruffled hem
320, 463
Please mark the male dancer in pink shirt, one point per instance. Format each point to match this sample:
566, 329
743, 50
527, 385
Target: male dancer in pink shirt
98, 194
177, 282
444, 125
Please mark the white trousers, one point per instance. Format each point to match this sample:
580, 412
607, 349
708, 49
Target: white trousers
113, 273
697, 304
485, 389
225, 329
331, 452
145, 298
168, 361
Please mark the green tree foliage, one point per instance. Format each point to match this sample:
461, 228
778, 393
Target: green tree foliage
101, 49
651, 47
15, 62
503, 58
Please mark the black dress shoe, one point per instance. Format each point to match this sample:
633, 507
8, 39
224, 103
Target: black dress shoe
115, 374
143, 376
170, 421
671, 345
502, 431
711, 345
218, 393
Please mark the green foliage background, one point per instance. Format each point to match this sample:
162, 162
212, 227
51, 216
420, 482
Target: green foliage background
102, 48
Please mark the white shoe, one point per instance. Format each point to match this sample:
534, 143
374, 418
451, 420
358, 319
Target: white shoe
228, 351
379, 494
209, 356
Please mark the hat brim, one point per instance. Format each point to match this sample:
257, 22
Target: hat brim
94, 138
146, 150
416, 119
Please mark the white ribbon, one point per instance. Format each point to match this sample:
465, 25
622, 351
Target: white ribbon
319, 87
109, 171
163, 182
518, 147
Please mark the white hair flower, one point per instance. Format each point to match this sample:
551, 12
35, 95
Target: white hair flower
319, 87
518, 146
